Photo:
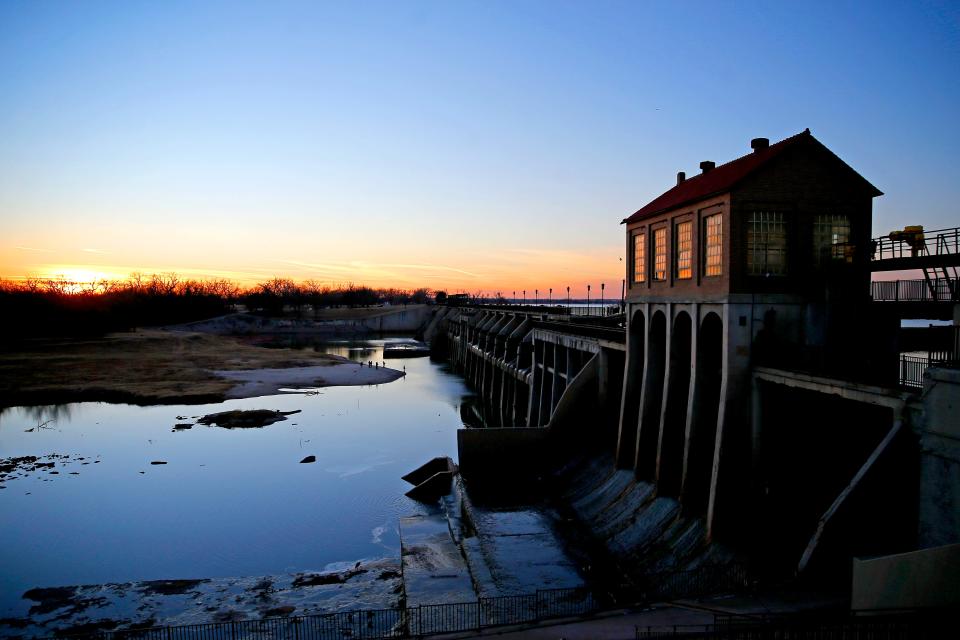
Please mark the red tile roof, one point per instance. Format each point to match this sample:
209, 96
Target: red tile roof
723, 178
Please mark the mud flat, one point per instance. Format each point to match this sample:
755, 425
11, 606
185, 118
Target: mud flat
164, 367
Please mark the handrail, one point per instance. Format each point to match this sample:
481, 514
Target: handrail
933, 290
377, 624
935, 242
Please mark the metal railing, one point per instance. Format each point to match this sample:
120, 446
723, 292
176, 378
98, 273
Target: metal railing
602, 310
613, 334
377, 624
912, 367
808, 626
937, 242
934, 290
707, 579
704, 580
950, 355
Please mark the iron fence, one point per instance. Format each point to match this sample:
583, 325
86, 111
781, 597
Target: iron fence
912, 369
704, 580
818, 626
933, 290
949, 355
379, 624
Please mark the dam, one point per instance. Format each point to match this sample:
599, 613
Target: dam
754, 400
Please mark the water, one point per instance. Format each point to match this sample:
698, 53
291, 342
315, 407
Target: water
925, 323
229, 502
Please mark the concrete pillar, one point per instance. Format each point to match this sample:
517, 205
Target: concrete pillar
536, 387
704, 413
729, 480
633, 367
675, 411
559, 382
692, 389
546, 390
651, 395
603, 376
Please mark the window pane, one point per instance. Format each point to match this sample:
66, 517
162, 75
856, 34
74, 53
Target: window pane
660, 254
640, 257
713, 254
830, 234
684, 252
767, 243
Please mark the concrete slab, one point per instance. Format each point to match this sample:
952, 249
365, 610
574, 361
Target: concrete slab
517, 552
434, 571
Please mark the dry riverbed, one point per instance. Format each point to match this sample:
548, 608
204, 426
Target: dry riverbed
165, 367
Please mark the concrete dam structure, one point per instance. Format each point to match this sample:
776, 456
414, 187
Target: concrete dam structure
751, 401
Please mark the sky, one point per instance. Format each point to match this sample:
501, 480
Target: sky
467, 146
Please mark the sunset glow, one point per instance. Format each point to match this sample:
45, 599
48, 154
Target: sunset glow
444, 145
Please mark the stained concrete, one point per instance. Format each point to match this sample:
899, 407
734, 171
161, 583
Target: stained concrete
517, 553
434, 571
644, 533
510, 551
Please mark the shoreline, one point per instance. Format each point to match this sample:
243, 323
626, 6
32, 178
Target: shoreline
164, 367
253, 383
143, 604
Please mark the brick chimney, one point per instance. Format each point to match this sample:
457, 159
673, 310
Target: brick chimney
681, 176
707, 165
758, 144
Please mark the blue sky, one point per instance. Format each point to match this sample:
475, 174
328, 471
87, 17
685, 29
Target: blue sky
469, 145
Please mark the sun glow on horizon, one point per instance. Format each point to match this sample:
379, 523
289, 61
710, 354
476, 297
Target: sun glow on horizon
80, 276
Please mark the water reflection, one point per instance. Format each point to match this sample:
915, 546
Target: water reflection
42, 414
228, 502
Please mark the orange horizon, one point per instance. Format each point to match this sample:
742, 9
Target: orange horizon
82, 276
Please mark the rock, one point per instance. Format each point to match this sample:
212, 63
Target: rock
182, 426
318, 579
276, 612
308, 459
245, 419
170, 587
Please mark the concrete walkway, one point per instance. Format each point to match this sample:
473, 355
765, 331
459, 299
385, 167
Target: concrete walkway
610, 625
621, 624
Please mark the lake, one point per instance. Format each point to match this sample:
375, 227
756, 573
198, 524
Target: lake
228, 502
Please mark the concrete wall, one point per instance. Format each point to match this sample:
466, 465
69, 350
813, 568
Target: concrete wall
926, 578
402, 320
501, 454
939, 432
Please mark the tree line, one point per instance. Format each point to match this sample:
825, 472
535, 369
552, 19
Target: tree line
58, 306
